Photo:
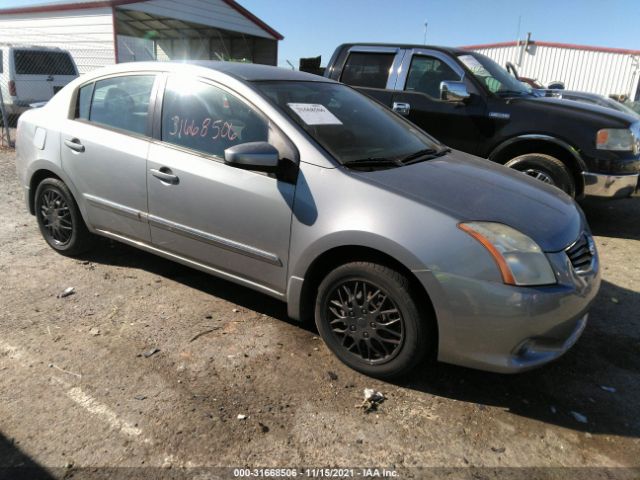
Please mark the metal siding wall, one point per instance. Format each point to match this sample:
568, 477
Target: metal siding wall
87, 34
586, 70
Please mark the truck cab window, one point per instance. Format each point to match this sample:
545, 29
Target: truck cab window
426, 73
364, 69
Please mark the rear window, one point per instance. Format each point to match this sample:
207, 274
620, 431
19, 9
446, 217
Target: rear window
120, 102
40, 62
367, 69
83, 104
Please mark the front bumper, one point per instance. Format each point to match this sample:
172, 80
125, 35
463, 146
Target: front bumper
507, 329
609, 185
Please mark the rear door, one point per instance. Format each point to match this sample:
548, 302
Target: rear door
372, 70
40, 74
458, 125
104, 151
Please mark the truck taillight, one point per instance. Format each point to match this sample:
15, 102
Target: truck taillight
12, 88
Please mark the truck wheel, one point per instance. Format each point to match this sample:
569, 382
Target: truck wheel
545, 168
368, 318
59, 218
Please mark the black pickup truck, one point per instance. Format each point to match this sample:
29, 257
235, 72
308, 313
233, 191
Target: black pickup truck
470, 103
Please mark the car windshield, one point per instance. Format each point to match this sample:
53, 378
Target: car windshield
493, 76
349, 125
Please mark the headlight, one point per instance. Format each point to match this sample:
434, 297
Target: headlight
619, 139
520, 259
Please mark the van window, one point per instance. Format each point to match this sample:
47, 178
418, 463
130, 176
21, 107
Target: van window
367, 69
41, 62
202, 117
122, 102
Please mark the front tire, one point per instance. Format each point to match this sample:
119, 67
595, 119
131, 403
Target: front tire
59, 218
368, 317
545, 168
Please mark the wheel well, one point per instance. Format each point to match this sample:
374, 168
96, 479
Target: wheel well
331, 259
548, 148
36, 178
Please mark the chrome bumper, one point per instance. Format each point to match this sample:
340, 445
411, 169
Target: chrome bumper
603, 185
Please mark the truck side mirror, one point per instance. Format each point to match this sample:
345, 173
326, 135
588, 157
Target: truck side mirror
556, 85
454, 92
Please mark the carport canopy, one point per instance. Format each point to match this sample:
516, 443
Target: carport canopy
143, 35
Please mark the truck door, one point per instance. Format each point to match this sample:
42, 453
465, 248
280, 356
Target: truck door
372, 71
458, 125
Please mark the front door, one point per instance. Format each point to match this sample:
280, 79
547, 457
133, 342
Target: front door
458, 125
104, 149
234, 221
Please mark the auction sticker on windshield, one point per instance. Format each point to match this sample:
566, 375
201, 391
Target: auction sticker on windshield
314, 114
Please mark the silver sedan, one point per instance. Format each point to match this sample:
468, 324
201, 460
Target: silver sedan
303, 189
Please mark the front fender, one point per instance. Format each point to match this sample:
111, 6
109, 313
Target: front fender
350, 239
558, 142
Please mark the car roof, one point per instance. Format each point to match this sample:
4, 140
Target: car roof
248, 72
450, 50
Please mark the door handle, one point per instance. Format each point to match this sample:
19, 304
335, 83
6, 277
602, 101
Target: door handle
165, 175
75, 145
401, 107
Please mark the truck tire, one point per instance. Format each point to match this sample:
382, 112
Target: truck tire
545, 168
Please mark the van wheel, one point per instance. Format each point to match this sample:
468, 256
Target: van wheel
368, 318
59, 218
545, 168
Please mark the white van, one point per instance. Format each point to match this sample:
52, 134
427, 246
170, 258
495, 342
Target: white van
32, 74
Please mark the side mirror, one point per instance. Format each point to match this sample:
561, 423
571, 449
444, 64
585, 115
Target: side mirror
260, 156
556, 85
454, 92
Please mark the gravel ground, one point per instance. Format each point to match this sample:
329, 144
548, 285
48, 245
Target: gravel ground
78, 395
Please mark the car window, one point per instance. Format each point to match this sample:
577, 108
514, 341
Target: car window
42, 62
426, 73
83, 104
122, 102
208, 119
367, 69
1, 61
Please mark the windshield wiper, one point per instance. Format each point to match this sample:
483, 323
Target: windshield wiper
372, 162
422, 155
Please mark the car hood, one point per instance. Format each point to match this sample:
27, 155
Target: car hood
469, 188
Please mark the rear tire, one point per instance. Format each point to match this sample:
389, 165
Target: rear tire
546, 168
368, 317
59, 218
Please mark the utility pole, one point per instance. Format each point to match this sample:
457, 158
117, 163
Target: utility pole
424, 41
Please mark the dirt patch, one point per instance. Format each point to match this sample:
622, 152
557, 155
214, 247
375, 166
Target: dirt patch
77, 391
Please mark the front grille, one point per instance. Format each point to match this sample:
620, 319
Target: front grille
581, 253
